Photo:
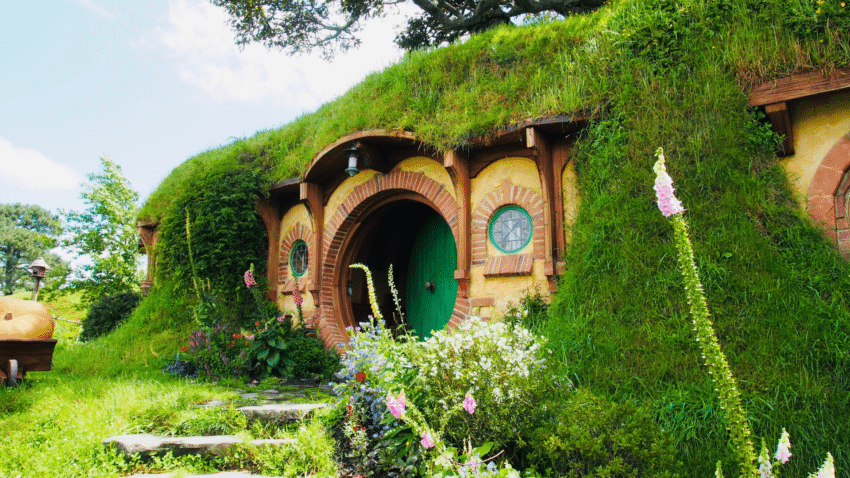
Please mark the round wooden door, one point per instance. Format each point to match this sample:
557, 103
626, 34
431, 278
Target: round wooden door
430, 287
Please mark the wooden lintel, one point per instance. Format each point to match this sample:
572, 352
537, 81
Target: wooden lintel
780, 123
799, 86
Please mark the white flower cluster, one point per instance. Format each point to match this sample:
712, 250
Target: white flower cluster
482, 357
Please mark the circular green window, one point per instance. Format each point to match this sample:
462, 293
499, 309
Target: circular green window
298, 258
510, 229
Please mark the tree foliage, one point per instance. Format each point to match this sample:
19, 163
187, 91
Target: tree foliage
26, 232
297, 27
105, 235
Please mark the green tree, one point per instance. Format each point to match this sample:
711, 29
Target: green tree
26, 232
297, 27
104, 235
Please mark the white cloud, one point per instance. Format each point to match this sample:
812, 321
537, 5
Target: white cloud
202, 48
30, 170
89, 4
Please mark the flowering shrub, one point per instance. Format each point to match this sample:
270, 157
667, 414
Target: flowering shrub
502, 366
218, 354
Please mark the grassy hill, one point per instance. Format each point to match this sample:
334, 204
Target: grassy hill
649, 73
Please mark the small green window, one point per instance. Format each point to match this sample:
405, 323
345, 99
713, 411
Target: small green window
298, 258
510, 229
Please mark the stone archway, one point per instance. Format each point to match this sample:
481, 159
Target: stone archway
340, 237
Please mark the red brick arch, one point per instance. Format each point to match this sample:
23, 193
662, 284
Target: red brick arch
505, 195
356, 207
827, 192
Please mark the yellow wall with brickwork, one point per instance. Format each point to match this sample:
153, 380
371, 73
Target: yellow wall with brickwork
818, 123
297, 214
343, 190
430, 168
505, 290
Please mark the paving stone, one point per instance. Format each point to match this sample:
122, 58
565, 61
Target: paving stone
282, 412
146, 445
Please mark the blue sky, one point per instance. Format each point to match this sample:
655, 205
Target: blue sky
148, 83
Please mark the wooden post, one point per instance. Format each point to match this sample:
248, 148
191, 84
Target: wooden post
312, 195
457, 165
535, 140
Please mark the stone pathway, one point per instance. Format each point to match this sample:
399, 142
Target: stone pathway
268, 406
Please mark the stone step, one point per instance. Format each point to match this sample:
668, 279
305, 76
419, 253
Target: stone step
223, 474
146, 445
281, 413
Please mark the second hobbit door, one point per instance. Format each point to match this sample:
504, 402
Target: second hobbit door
430, 286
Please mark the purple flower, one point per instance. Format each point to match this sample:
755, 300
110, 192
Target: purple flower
396, 405
469, 403
667, 201
427, 440
783, 449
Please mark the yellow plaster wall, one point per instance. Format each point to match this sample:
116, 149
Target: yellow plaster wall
521, 172
343, 190
430, 168
569, 183
297, 214
818, 123
505, 290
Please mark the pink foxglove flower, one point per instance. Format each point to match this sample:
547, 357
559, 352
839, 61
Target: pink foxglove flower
427, 440
783, 449
828, 468
469, 403
396, 405
667, 201
249, 278
296, 295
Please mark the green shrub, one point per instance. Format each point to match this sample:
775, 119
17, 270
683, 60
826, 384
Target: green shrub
107, 313
310, 358
591, 436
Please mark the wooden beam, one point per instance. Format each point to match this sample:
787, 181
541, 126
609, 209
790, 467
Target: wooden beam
457, 164
780, 123
538, 142
271, 218
799, 86
313, 196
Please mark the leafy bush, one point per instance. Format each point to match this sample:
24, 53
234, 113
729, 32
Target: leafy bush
218, 354
591, 436
532, 312
310, 358
107, 313
501, 365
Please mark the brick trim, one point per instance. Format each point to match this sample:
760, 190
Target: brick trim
354, 209
298, 232
507, 194
509, 265
827, 193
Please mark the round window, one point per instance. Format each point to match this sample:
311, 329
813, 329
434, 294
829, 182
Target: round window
298, 258
510, 229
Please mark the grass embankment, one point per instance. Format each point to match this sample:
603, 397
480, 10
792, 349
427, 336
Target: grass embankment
650, 73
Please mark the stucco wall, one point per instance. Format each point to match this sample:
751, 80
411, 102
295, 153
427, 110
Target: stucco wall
569, 181
818, 124
344, 190
295, 224
430, 168
505, 291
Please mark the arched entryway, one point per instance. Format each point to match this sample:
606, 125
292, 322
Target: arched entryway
416, 241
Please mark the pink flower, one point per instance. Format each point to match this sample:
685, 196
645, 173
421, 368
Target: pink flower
396, 405
249, 278
427, 440
282, 318
469, 403
667, 201
296, 295
783, 449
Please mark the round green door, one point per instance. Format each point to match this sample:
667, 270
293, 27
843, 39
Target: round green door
431, 287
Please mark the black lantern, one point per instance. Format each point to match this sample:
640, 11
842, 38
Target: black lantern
354, 154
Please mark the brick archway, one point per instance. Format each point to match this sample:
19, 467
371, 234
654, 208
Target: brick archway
363, 200
828, 191
296, 233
